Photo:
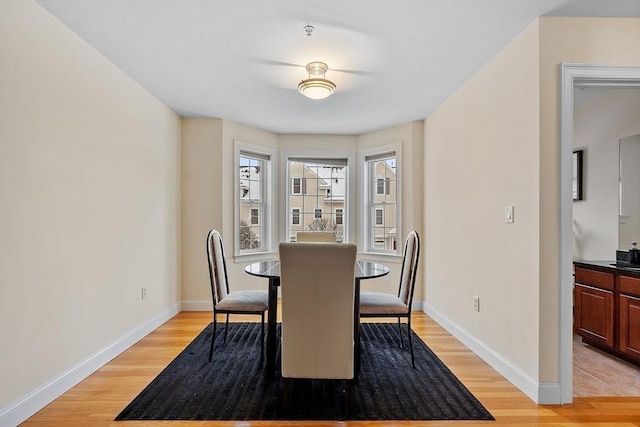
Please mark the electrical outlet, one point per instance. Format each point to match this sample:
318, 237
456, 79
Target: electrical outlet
144, 292
476, 303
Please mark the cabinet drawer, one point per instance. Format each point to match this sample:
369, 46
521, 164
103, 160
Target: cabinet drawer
629, 285
594, 278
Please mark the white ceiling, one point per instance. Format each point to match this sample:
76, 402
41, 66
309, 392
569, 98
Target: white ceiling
241, 60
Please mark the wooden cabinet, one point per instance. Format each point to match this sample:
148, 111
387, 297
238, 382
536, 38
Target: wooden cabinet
629, 316
594, 314
607, 309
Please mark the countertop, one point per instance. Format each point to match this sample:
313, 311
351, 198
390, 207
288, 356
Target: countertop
622, 268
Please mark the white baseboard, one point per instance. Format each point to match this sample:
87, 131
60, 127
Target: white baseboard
37, 399
541, 393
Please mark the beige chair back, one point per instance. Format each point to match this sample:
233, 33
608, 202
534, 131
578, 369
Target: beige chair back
316, 236
318, 285
409, 268
217, 267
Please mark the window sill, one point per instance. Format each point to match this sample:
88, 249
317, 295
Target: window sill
376, 256
254, 257
264, 256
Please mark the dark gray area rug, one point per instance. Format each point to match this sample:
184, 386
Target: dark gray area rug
234, 385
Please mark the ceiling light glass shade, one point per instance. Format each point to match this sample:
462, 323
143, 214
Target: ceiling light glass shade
316, 88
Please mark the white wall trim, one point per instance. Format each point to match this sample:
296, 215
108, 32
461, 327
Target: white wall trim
539, 393
37, 399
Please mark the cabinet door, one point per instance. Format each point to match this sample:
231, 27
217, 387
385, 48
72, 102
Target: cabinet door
594, 313
630, 325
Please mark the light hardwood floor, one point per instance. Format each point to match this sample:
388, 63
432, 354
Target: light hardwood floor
99, 398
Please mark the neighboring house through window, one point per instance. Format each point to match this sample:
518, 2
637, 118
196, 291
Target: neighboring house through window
317, 196
381, 207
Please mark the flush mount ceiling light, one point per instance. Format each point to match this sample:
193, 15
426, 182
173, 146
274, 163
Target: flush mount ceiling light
316, 87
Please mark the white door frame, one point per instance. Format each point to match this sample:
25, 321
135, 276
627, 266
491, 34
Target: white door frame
570, 74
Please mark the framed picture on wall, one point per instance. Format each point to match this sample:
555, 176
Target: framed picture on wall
576, 182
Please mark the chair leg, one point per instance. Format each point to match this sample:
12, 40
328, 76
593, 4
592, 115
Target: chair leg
213, 336
413, 360
226, 328
400, 331
262, 338
347, 397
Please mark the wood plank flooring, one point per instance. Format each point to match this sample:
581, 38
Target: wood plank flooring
98, 399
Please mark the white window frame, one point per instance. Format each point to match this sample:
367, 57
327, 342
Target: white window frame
267, 213
350, 201
368, 188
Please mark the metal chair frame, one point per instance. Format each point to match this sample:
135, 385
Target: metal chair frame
212, 276
412, 283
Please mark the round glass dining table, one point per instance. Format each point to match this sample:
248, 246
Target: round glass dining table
271, 270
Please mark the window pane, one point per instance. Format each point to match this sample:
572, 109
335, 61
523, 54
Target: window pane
321, 192
381, 175
251, 204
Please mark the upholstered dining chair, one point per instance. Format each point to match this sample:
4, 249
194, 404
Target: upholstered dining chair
316, 236
318, 298
226, 302
377, 304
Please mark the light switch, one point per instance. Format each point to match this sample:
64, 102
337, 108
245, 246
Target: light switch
508, 214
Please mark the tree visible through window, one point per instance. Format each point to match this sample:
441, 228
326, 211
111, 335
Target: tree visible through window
251, 181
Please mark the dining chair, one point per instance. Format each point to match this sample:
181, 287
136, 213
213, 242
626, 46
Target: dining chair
377, 304
318, 298
316, 236
226, 302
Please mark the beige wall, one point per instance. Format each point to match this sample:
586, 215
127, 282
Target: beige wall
208, 185
89, 202
495, 143
410, 136
201, 201
599, 123
481, 154
602, 41
208, 193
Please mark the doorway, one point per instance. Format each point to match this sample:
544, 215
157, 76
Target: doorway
571, 75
